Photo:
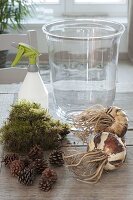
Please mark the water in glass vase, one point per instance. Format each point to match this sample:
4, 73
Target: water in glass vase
73, 96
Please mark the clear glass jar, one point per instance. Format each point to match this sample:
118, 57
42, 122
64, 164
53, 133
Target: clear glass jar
83, 55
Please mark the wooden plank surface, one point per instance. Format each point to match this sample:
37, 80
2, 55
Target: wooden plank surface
75, 141
116, 185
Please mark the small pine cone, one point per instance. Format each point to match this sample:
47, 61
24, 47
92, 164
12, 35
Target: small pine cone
8, 158
47, 180
16, 166
26, 176
26, 160
56, 158
39, 165
35, 152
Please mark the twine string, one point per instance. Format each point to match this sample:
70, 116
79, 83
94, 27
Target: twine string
95, 118
88, 167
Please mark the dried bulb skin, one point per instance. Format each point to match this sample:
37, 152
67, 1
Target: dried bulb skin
112, 146
120, 125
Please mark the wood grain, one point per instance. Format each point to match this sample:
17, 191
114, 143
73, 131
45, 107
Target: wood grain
116, 185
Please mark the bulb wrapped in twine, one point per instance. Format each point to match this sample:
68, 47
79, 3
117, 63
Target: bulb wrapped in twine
98, 119
106, 152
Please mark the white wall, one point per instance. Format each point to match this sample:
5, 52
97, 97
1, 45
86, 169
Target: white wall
42, 39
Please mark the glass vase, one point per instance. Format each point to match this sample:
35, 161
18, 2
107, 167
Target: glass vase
83, 56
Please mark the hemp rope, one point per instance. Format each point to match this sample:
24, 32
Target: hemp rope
88, 167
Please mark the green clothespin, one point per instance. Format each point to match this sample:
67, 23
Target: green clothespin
27, 51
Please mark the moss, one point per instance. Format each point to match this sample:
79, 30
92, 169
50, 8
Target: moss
29, 124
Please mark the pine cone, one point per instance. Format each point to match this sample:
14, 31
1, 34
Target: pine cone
16, 166
39, 165
26, 176
35, 152
26, 160
8, 158
56, 158
47, 180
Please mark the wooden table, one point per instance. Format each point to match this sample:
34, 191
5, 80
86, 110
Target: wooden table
116, 185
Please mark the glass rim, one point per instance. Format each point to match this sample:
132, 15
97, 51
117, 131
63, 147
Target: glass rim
119, 32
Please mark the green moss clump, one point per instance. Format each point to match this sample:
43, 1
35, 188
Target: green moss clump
28, 125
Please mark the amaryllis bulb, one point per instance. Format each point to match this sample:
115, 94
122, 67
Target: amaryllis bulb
100, 119
120, 125
112, 146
